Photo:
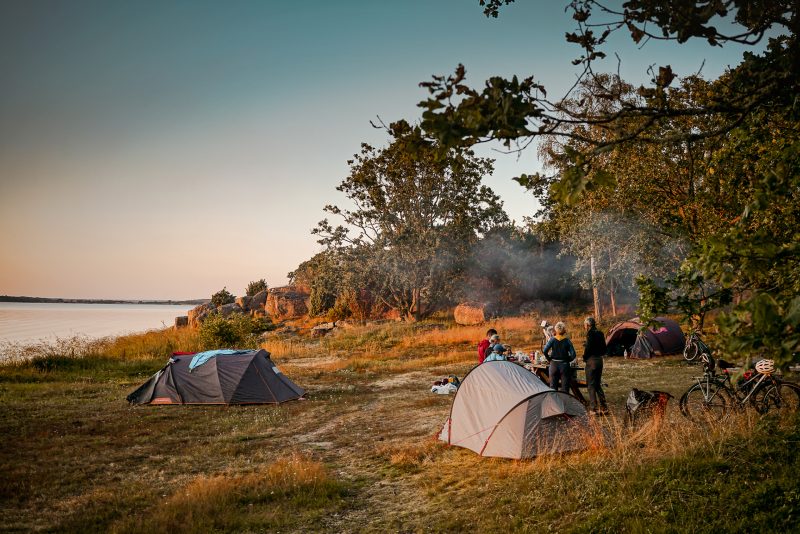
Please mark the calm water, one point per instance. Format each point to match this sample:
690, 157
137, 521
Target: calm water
22, 322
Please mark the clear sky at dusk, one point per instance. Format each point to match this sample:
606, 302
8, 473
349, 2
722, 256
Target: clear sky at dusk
164, 149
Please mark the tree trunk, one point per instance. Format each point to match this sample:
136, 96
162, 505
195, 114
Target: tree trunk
611, 294
595, 294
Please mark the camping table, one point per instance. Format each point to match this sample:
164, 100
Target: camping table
542, 370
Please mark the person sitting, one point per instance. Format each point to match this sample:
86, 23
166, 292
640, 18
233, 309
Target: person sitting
497, 354
484, 347
560, 353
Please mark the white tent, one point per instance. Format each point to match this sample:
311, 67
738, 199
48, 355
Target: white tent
503, 410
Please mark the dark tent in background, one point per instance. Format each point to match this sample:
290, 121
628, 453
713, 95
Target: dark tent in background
218, 377
665, 338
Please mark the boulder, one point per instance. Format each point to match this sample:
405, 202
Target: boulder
182, 321
322, 329
471, 313
244, 302
286, 303
258, 301
228, 309
197, 314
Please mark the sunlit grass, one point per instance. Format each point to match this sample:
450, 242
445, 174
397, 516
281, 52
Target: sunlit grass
361, 453
288, 490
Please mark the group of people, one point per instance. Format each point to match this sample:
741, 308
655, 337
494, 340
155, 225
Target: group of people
560, 353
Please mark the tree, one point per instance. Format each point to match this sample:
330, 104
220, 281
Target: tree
255, 287
416, 213
746, 249
222, 297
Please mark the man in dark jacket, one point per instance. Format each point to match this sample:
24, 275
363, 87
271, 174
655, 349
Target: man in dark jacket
593, 351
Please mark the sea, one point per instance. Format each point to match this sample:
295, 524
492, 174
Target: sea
27, 323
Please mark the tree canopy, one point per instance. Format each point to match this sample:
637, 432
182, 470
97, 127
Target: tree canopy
712, 163
415, 215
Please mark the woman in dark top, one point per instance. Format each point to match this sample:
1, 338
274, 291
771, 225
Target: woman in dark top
593, 351
560, 352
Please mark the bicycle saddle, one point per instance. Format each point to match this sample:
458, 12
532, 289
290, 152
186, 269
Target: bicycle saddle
722, 364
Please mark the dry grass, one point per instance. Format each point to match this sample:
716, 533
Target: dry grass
207, 503
367, 459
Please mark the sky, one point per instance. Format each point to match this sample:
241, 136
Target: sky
165, 149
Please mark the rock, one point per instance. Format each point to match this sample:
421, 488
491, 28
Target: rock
258, 312
322, 329
259, 300
182, 321
197, 314
227, 309
286, 303
471, 313
244, 302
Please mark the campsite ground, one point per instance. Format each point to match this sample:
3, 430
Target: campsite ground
360, 454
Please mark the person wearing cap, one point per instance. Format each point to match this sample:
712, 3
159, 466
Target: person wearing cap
484, 347
497, 354
594, 349
560, 352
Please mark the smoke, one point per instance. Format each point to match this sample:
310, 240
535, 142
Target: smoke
509, 267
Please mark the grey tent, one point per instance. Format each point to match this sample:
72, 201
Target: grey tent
503, 410
246, 377
665, 338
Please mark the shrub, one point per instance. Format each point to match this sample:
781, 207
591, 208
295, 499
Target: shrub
253, 288
236, 330
222, 297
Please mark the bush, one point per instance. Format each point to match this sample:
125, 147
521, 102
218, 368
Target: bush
253, 288
222, 297
234, 331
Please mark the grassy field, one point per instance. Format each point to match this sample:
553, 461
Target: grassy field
360, 453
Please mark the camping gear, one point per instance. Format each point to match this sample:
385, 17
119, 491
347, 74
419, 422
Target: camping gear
444, 389
643, 405
227, 377
503, 410
666, 337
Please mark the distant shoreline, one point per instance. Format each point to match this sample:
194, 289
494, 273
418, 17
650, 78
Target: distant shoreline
48, 300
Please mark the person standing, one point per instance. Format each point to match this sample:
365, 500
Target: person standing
485, 345
594, 349
560, 352
547, 332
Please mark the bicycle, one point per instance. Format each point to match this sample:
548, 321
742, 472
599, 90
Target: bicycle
694, 347
714, 396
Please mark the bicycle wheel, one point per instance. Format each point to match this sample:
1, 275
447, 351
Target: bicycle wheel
706, 404
690, 351
780, 397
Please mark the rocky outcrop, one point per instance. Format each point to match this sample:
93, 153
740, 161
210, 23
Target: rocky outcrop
286, 303
227, 309
258, 301
182, 321
471, 313
243, 302
198, 313
280, 303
